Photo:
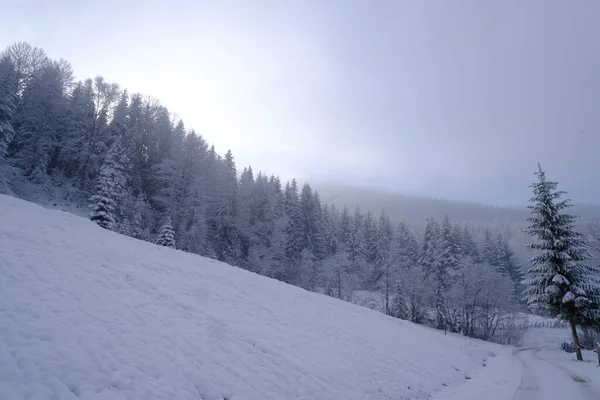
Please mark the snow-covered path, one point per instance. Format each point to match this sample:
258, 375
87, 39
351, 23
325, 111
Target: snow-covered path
544, 379
538, 371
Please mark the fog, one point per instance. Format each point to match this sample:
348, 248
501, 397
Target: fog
457, 100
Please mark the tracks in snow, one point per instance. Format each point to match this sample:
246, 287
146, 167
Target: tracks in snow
543, 379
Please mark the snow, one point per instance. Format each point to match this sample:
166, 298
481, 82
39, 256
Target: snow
558, 278
568, 297
86, 313
537, 371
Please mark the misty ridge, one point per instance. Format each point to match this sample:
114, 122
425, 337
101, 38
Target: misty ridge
126, 162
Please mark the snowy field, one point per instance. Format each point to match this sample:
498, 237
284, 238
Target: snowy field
89, 314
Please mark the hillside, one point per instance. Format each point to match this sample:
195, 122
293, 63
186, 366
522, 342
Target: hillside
414, 209
510, 221
89, 314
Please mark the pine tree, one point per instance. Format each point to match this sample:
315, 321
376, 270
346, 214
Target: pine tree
344, 226
427, 254
370, 235
559, 281
355, 244
508, 264
384, 272
398, 307
489, 249
449, 249
406, 248
166, 235
445, 264
110, 188
469, 245
329, 225
38, 122
8, 99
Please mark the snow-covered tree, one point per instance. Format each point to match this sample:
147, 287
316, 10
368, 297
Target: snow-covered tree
166, 235
38, 122
384, 270
405, 247
508, 265
428, 251
559, 280
110, 188
469, 246
8, 103
339, 280
344, 226
489, 249
398, 307
448, 247
355, 244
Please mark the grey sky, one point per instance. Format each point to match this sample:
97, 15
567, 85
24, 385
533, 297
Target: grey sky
455, 99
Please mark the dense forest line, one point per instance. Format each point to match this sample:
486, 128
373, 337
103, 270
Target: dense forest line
148, 176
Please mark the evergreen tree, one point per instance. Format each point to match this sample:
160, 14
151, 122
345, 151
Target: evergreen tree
370, 235
355, 244
406, 249
449, 249
80, 119
344, 226
328, 223
8, 103
559, 281
444, 267
457, 236
385, 274
428, 252
166, 235
110, 188
469, 245
508, 264
489, 249
39, 122
228, 242
398, 306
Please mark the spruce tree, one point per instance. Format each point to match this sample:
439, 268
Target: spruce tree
110, 188
166, 235
559, 281
405, 249
449, 248
469, 245
445, 264
356, 243
384, 271
344, 226
508, 264
8, 99
398, 307
489, 249
427, 254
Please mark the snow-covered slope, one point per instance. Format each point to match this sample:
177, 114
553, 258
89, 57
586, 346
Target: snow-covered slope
88, 314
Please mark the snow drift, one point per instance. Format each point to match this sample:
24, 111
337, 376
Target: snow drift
89, 314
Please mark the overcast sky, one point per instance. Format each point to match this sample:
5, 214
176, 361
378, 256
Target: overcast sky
453, 99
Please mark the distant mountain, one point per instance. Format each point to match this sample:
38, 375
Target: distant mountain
510, 221
413, 209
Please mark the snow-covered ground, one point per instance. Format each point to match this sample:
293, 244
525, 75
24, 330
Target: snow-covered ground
537, 371
89, 314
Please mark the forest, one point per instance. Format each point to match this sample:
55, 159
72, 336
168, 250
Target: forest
145, 174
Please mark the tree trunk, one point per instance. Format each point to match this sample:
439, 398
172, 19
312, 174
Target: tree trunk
576, 340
